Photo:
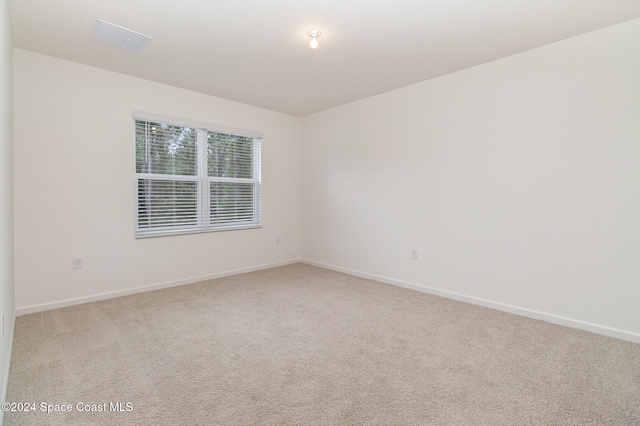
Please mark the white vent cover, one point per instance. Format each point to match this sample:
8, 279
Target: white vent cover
118, 36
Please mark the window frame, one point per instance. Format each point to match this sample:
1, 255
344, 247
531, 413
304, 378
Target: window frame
202, 179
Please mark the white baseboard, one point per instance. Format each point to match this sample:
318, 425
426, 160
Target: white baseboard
525, 312
529, 313
30, 309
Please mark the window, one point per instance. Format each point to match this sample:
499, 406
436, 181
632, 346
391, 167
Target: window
192, 179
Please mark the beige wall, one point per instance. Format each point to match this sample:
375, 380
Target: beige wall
75, 189
518, 181
6, 198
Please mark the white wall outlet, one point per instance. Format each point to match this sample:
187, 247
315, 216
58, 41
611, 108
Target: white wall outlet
277, 239
77, 262
414, 254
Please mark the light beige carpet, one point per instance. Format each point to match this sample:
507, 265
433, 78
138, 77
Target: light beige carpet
299, 345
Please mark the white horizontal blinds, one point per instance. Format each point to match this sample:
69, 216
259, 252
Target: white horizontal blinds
165, 149
167, 203
231, 202
166, 166
233, 179
257, 176
182, 191
229, 156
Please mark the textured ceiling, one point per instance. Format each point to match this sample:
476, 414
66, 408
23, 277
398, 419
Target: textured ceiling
257, 51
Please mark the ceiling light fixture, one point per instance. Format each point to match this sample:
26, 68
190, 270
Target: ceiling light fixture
314, 34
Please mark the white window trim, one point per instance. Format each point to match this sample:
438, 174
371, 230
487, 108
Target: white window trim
144, 116
203, 195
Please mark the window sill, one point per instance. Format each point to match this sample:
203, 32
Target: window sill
172, 232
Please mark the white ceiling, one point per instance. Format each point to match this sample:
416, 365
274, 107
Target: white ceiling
257, 51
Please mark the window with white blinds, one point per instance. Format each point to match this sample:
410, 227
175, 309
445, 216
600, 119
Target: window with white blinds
192, 179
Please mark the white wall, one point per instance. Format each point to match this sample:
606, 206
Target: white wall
75, 188
6, 198
518, 181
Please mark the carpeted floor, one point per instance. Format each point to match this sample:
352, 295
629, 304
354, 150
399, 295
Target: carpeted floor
300, 345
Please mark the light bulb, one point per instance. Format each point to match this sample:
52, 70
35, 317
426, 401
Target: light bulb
314, 34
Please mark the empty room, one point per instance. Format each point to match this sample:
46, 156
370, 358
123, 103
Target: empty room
320, 213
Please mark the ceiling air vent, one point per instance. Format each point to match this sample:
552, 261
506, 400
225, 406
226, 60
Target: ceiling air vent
118, 36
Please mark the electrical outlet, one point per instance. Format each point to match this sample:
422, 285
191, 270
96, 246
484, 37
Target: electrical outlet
77, 262
278, 239
414, 254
